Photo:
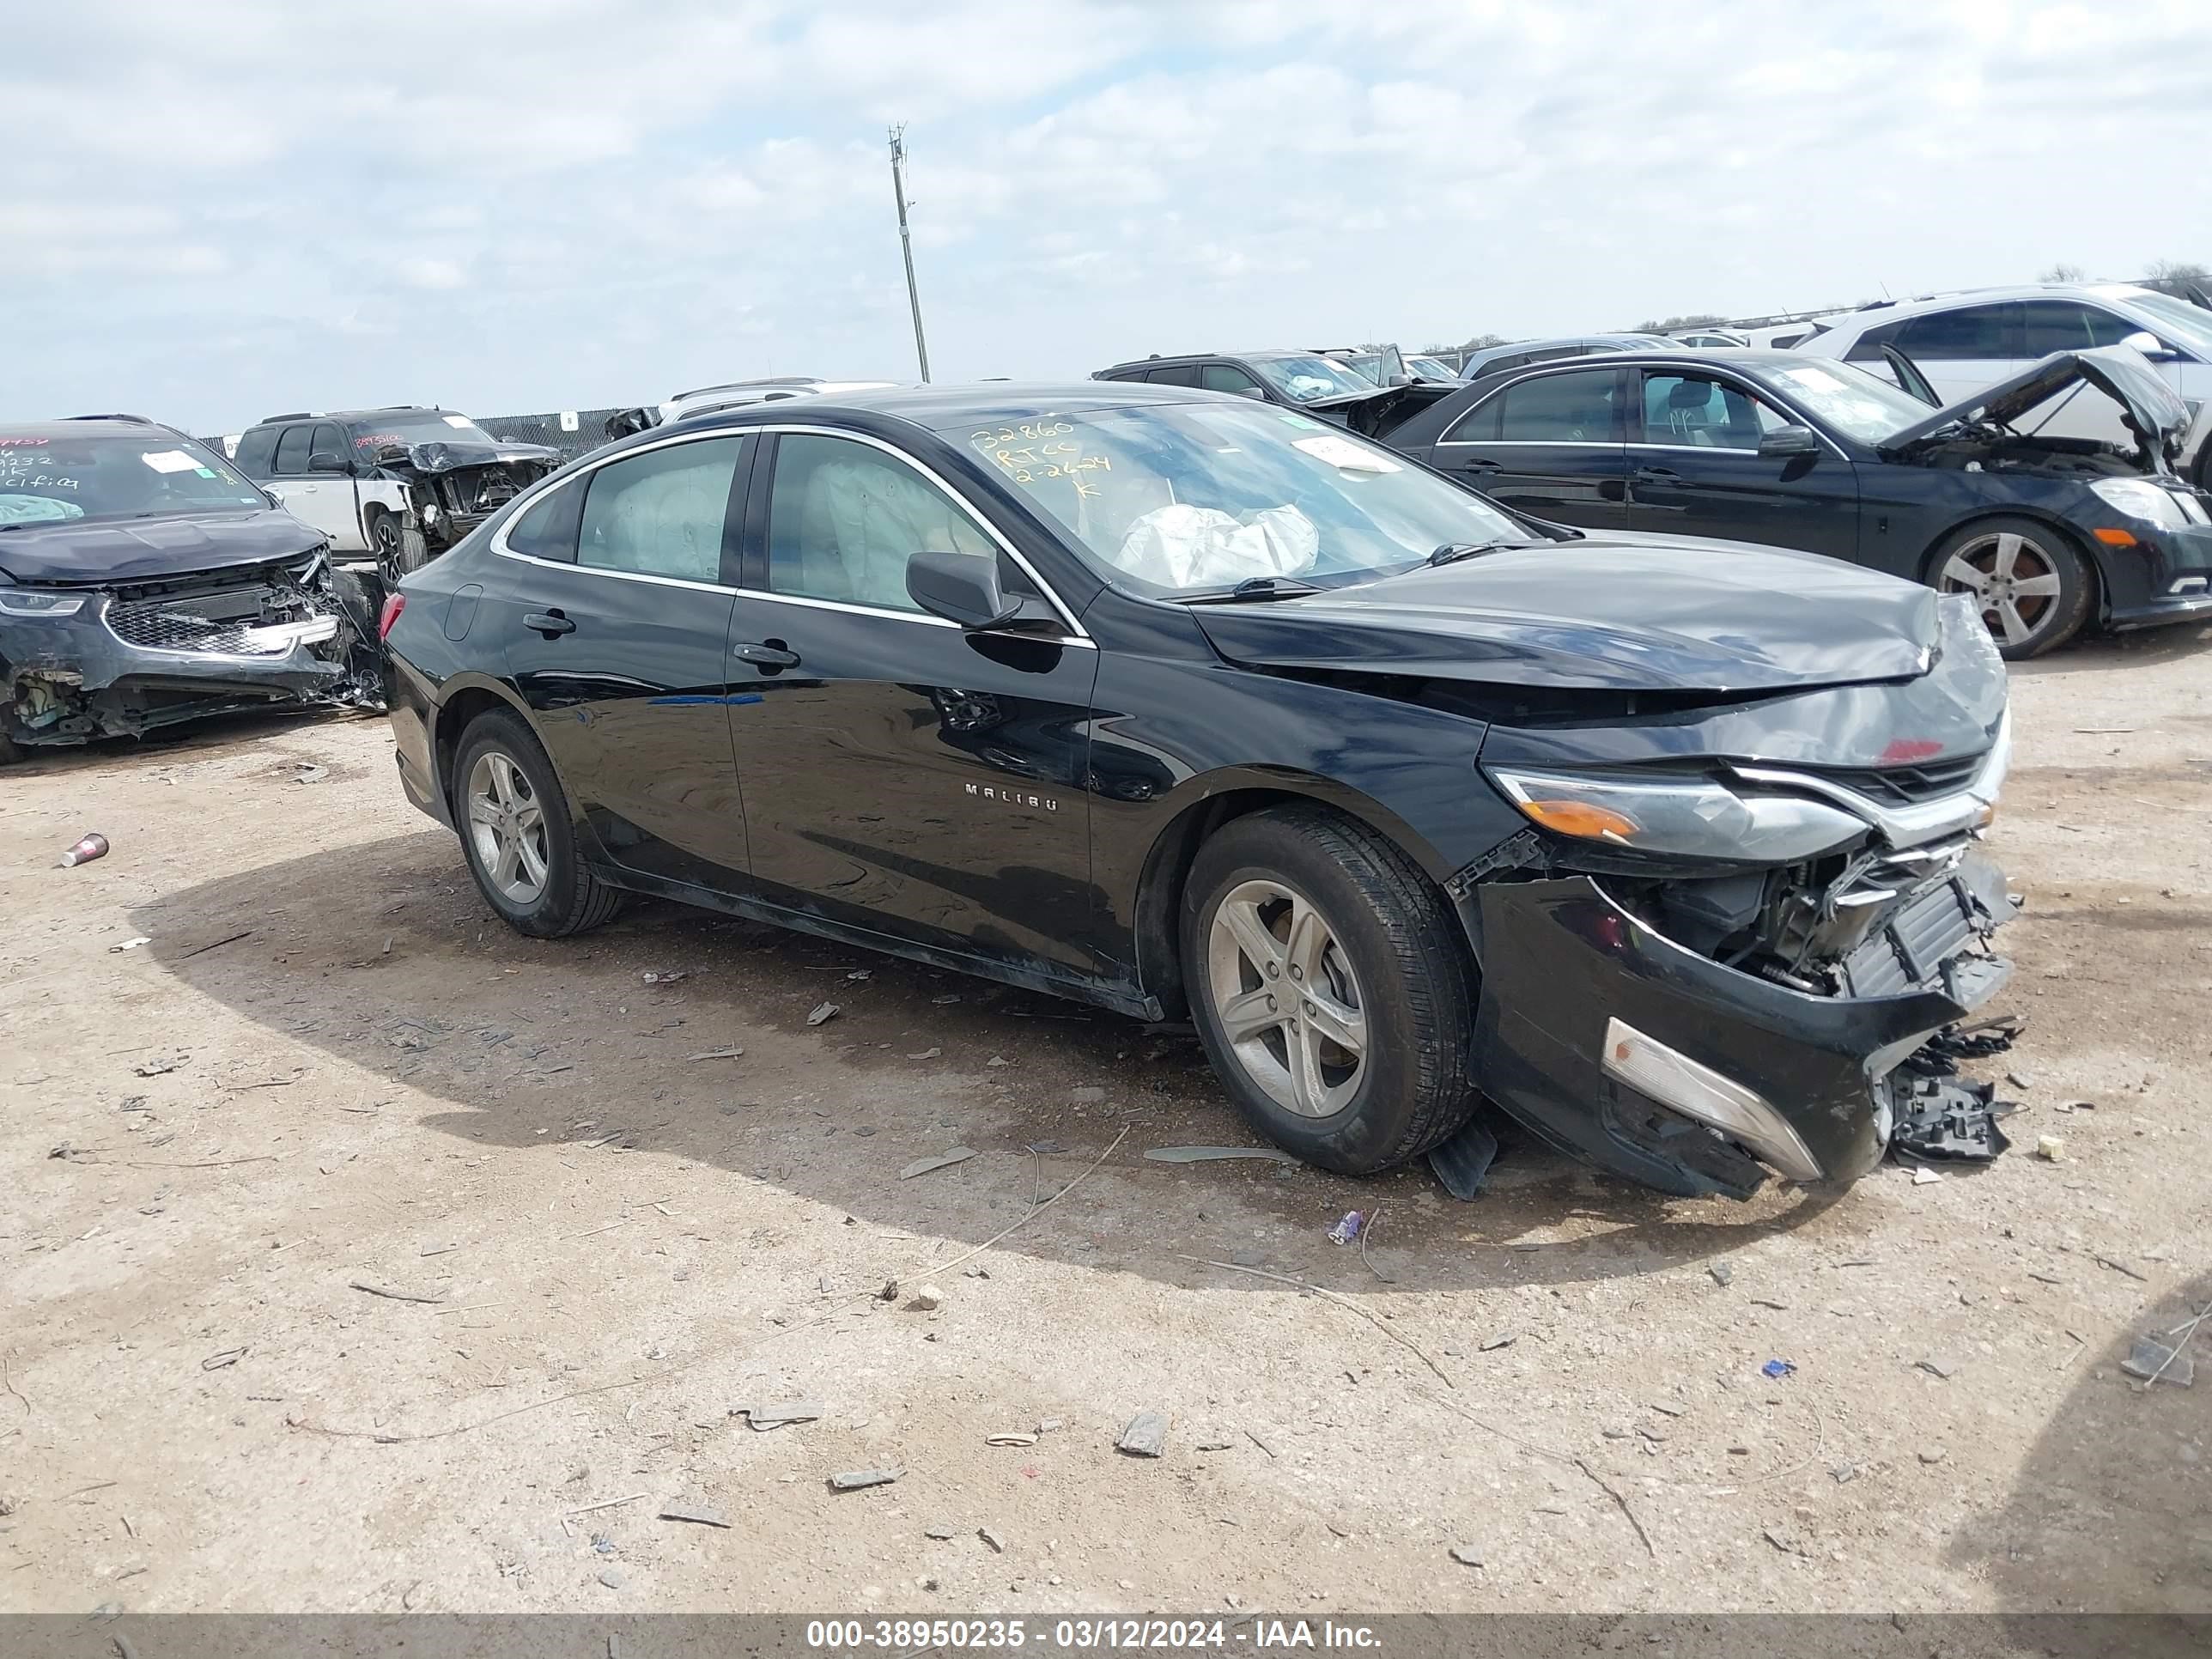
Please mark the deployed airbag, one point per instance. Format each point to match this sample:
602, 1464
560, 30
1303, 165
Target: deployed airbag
1183, 546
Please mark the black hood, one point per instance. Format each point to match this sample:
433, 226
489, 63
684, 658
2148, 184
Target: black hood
2152, 410
83, 551
448, 458
1621, 613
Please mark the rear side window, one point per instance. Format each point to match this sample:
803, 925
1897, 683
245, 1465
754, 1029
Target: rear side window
1174, 374
1867, 349
663, 513
1971, 333
256, 450
293, 450
1582, 406
547, 529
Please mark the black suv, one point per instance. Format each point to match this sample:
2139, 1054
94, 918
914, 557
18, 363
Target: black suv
397, 483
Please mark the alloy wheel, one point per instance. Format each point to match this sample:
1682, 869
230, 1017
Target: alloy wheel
2014, 582
506, 824
1288, 1002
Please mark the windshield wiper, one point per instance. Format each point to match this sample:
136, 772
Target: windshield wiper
1453, 552
1256, 587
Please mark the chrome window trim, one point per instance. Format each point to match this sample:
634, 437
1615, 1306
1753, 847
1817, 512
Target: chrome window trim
1527, 443
1074, 635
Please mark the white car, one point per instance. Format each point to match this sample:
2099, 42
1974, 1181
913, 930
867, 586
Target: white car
1964, 342
732, 394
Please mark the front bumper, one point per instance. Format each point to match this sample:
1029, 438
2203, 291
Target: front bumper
1562, 965
2166, 577
70, 679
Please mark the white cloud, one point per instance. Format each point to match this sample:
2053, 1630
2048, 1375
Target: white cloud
573, 201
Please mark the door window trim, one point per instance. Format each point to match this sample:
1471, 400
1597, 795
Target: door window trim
580, 480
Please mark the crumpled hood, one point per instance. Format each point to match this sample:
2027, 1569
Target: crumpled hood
447, 458
1621, 613
2152, 410
91, 550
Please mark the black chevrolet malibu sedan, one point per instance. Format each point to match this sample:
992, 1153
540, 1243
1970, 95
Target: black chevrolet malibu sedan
1173, 702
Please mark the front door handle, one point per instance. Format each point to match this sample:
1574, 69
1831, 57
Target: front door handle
1480, 464
549, 623
1655, 475
767, 654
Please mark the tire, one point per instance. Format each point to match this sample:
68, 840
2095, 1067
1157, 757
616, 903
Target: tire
398, 546
1995, 553
10, 752
1389, 954
545, 890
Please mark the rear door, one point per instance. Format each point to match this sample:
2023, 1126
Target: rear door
614, 616
1695, 469
1551, 443
901, 773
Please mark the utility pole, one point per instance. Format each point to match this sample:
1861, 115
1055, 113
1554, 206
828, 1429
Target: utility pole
906, 243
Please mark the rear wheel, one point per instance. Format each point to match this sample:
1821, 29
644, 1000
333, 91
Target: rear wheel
1330, 987
515, 829
2033, 585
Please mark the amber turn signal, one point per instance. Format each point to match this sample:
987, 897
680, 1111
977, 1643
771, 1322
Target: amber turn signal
1580, 818
2113, 537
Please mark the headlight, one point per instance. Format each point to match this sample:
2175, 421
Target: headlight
2139, 499
14, 602
1692, 818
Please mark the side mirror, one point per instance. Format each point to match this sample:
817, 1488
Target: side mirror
1790, 440
1252, 391
324, 461
2150, 345
961, 587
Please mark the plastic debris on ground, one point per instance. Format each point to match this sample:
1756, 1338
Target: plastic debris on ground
88, 848
1462, 1164
1777, 1368
1207, 1154
1347, 1230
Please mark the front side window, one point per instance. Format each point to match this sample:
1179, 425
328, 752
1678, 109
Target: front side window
844, 517
2068, 326
663, 513
2175, 322
50, 478
324, 445
1227, 377
292, 452
1700, 411
1971, 333
1850, 400
1173, 500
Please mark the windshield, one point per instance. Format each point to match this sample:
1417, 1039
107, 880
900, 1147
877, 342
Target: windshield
1859, 404
1172, 499
2177, 322
48, 480
420, 427
1309, 380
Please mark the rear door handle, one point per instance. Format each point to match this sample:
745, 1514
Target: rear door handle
1480, 464
764, 654
1655, 475
549, 623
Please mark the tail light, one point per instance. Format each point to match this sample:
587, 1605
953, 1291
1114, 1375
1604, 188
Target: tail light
393, 604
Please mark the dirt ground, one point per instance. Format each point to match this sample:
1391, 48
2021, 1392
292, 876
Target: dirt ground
327, 1066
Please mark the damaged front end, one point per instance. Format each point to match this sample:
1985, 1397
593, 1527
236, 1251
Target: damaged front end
80, 660
455, 486
1714, 958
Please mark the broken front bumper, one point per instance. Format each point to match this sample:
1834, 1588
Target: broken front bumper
1613, 1043
2166, 577
118, 668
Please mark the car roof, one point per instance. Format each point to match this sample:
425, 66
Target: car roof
1877, 312
1164, 359
939, 408
86, 426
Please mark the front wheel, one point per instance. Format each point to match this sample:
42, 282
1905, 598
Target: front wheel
2033, 588
1330, 987
515, 829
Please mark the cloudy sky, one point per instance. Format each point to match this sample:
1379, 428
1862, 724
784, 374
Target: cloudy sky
217, 211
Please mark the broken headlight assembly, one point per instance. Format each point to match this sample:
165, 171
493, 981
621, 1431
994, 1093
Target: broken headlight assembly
1681, 816
20, 602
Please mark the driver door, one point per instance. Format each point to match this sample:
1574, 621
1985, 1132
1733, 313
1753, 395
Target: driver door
900, 772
